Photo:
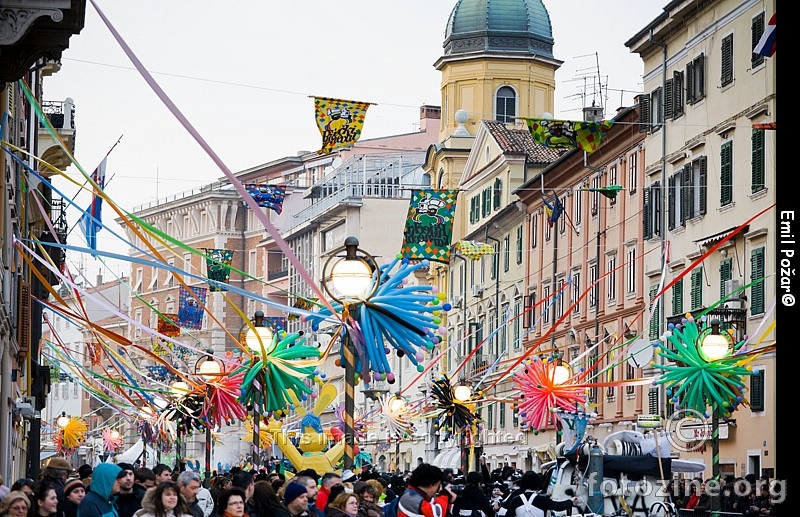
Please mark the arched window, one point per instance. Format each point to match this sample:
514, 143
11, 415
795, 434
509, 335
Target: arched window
505, 105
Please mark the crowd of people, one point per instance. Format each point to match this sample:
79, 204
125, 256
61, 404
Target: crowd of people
745, 496
122, 490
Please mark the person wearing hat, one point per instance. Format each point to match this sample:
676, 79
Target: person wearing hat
472, 502
99, 500
56, 473
74, 492
15, 504
497, 496
85, 474
295, 499
129, 499
530, 499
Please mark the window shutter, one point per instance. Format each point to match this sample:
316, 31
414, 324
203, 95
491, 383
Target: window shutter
726, 174
757, 391
727, 60
644, 113
24, 319
671, 202
690, 97
655, 198
652, 401
656, 315
668, 87
497, 191
725, 273
758, 161
677, 94
527, 303
703, 177
677, 297
648, 214
757, 32
700, 66
757, 273
687, 193
697, 288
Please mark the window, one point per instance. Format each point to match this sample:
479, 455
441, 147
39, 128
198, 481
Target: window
630, 374
727, 60
501, 408
187, 262
576, 292
490, 416
153, 279
757, 289
726, 174
137, 333
515, 332
655, 309
633, 178
561, 295
171, 275
503, 332
595, 194
757, 391
725, 274
497, 194
612, 180
697, 288
506, 105
757, 30
757, 161
529, 307
486, 202
594, 359
546, 304
611, 293
547, 229
594, 287
675, 216
137, 288
534, 229
493, 272
674, 99
577, 213
519, 244
630, 265
506, 253
652, 211
514, 417
695, 80
252, 263
474, 209
677, 297
656, 110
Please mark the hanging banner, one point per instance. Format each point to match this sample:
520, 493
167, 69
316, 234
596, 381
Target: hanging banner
161, 348
167, 326
268, 196
568, 134
218, 267
429, 225
474, 250
339, 121
302, 303
93, 351
190, 312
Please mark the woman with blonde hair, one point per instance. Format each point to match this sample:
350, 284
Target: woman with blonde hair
15, 504
344, 505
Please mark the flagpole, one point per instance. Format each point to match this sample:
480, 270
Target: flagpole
98, 165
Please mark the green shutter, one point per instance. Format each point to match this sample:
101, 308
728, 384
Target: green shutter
725, 273
757, 273
497, 191
757, 29
654, 320
502, 410
647, 215
726, 174
677, 297
758, 182
671, 201
757, 391
697, 288
727, 60
703, 178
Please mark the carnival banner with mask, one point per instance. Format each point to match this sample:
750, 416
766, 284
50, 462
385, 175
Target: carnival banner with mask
474, 250
429, 225
218, 266
568, 134
167, 326
339, 121
190, 313
268, 196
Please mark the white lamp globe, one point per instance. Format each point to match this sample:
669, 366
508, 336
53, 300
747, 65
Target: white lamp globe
462, 393
209, 369
351, 278
715, 346
561, 374
258, 338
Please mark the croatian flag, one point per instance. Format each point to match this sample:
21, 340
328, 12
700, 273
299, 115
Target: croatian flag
766, 45
91, 221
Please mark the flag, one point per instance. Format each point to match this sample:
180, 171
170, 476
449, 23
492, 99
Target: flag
190, 312
554, 209
339, 121
766, 45
474, 250
429, 225
568, 134
268, 196
167, 326
218, 266
610, 191
91, 220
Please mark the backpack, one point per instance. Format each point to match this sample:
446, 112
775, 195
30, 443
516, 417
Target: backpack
390, 509
527, 509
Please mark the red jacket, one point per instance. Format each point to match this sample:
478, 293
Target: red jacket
414, 503
322, 498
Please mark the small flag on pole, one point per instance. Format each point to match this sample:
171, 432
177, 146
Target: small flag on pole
91, 221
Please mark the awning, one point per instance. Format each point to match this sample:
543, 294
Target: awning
501, 450
712, 239
46, 454
449, 459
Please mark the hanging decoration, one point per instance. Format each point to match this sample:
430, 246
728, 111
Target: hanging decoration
187, 414
267, 196
359, 423
406, 316
553, 207
540, 396
69, 438
282, 366
218, 266
339, 121
455, 416
167, 326
609, 191
305, 304
573, 426
568, 134
161, 347
222, 405
429, 225
474, 250
265, 436
691, 380
191, 307
398, 415
113, 440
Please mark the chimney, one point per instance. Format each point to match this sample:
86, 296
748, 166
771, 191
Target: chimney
428, 113
99, 280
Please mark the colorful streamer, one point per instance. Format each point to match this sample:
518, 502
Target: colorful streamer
568, 134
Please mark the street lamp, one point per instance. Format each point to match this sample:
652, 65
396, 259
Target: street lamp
63, 420
352, 282
463, 393
714, 346
209, 368
178, 390
259, 339
561, 373
396, 405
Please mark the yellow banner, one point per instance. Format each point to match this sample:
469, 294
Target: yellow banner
339, 121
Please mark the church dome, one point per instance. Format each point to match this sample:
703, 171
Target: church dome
499, 26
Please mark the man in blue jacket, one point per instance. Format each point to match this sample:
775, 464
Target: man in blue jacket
100, 499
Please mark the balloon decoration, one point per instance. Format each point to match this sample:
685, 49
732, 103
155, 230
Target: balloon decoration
360, 424
692, 380
540, 395
455, 416
408, 317
69, 438
280, 368
264, 434
222, 406
186, 413
112, 440
397, 414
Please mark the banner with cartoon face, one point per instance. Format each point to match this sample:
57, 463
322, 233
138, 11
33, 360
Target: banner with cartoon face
339, 121
429, 225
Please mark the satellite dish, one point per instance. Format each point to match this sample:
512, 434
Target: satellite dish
337, 162
640, 353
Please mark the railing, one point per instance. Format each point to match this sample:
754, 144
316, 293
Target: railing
56, 112
274, 274
217, 185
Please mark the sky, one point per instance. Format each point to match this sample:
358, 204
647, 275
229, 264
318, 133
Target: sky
244, 74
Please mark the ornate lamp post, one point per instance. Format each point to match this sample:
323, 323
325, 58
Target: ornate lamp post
209, 368
397, 405
462, 393
258, 339
178, 390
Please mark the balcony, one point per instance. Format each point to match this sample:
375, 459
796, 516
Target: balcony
275, 274
61, 115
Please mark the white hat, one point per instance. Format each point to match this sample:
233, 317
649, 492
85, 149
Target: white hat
348, 476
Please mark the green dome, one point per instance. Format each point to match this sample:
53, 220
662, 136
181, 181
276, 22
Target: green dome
499, 26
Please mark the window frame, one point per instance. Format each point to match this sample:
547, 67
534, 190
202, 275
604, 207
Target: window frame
504, 116
758, 161
726, 58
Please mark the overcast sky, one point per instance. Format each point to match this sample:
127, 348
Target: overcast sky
242, 73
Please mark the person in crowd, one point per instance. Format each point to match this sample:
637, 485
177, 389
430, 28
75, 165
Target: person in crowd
343, 505
56, 473
218, 484
266, 501
277, 480
425, 495
232, 503
312, 490
98, 501
44, 502
144, 479
162, 472
368, 501
244, 480
295, 499
497, 496
189, 486
381, 490
4, 490
129, 498
472, 499
74, 492
531, 486
329, 480
15, 504
85, 474
164, 501
205, 501
24, 485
